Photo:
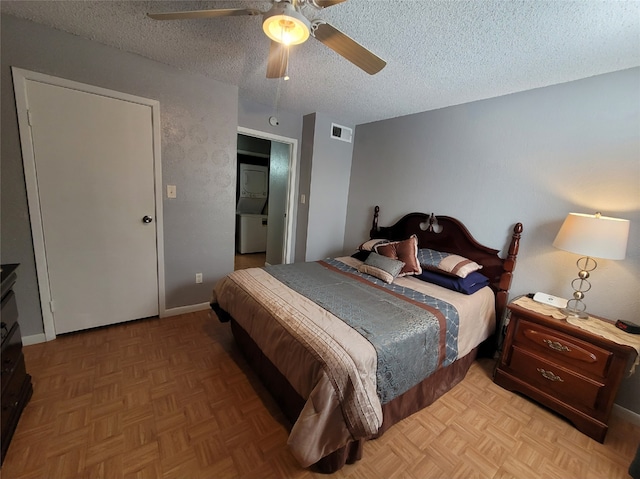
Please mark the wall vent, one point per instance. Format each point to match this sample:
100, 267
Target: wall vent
340, 132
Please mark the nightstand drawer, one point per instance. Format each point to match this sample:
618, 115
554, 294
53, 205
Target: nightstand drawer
554, 379
560, 347
11, 394
11, 352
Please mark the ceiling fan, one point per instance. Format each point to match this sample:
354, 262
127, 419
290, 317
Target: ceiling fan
287, 23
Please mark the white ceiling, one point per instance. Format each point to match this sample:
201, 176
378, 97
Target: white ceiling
438, 53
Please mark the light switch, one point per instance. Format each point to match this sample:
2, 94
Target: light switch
171, 191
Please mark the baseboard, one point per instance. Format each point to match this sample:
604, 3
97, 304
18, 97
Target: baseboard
33, 339
626, 414
185, 309
41, 338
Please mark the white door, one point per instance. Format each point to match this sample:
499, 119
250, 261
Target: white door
278, 196
94, 163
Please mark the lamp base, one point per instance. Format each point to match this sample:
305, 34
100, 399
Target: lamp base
571, 313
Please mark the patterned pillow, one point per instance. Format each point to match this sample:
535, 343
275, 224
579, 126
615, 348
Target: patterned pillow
381, 267
447, 262
371, 244
405, 251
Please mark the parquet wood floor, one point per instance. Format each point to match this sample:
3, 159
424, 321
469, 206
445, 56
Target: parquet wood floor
249, 260
173, 398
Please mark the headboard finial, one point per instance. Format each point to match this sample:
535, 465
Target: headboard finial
374, 225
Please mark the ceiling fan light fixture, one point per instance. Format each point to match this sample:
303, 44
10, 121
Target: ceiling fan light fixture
283, 24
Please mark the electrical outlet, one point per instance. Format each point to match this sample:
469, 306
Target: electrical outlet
198, 278
171, 191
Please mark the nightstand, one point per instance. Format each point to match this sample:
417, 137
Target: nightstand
566, 368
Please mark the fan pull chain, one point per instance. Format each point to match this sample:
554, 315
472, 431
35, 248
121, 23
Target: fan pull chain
286, 68
277, 103
280, 80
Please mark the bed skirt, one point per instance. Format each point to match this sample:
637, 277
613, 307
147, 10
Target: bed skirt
290, 402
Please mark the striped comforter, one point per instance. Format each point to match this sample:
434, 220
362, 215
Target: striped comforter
337, 335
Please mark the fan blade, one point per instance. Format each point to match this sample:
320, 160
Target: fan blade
222, 12
346, 46
327, 3
278, 59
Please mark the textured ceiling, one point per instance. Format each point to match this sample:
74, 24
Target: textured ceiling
438, 53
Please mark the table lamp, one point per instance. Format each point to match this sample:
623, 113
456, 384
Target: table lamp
593, 236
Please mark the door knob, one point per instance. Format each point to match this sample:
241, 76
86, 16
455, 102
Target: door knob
147, 219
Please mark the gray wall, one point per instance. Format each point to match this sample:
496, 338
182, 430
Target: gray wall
330, 170
531, 157
256, 116
199, 125
306, 157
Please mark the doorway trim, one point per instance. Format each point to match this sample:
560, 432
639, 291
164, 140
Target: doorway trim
20, 77
291, 185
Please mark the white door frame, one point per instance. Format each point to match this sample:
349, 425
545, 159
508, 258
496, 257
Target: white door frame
291, 194
20, 77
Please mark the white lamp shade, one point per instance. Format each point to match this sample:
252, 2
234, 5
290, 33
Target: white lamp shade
593, 235
283, 24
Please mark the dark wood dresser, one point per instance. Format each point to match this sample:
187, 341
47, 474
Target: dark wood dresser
568, 369
16, 383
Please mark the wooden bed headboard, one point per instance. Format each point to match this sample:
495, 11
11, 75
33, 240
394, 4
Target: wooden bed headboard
443, 233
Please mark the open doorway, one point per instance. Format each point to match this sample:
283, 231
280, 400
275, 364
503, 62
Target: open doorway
264, 199
252, 201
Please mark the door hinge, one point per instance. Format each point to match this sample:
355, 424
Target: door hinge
52, 306
29, 118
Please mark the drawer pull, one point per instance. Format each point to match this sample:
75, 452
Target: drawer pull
556, 345
550, 376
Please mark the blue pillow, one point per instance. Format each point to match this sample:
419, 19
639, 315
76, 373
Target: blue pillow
468, 285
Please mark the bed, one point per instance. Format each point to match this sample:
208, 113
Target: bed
350, 346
